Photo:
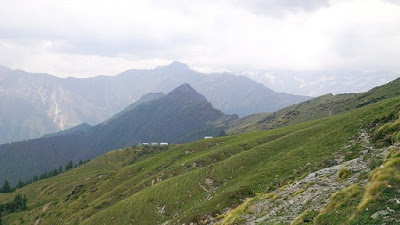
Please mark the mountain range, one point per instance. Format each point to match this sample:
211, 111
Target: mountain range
319, 107
32, 105
180, 116
332, 160
317, 83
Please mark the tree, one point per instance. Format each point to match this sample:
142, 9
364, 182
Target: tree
54, 173
18, 201
20, 184
44, 175
69, 165
24, 202
6, 187
10, 207
60, 169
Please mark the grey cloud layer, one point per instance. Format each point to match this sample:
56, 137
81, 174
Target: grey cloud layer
281, 7
216, 35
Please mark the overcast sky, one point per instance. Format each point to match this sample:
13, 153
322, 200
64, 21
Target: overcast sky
91, 37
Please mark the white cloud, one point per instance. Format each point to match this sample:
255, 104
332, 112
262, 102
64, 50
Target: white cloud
87, 37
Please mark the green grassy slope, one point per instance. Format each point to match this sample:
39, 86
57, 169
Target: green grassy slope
315, 108
191, 182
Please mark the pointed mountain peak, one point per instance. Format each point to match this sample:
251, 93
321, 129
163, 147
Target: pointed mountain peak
185, 91
185, 87
178, 64
175, 66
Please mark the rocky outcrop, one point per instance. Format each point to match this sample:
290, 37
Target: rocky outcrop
75, 191
313, 191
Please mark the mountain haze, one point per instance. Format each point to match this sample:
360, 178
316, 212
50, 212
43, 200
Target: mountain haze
60, 103
145, 98
315, 108
180, 116
324, 171
79, 128
316, 83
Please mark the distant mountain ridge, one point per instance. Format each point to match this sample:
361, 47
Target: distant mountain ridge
319, 82
79, 128
315, 108
180, 116
145, 98
32, 105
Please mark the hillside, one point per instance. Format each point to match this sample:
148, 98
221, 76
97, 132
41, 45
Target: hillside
145, 98
315, 108
165, 119
79, 128
236, 179
60, 103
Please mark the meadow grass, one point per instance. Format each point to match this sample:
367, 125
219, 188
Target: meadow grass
123, 186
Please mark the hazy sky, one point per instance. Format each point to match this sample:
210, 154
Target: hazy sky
92, 37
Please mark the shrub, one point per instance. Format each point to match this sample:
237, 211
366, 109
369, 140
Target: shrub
344, 173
